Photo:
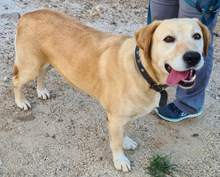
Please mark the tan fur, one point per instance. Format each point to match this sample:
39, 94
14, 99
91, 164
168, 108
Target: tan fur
100, 64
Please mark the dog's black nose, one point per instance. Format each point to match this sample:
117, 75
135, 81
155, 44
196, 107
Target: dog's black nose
192, 58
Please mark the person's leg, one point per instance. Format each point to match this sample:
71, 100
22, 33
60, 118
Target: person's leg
191, 101
164, 9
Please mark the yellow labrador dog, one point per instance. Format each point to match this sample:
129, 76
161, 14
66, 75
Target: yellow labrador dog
105, 65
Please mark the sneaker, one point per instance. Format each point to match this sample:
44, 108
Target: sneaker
174, 114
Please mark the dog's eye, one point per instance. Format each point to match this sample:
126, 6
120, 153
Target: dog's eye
169, 39
197, 36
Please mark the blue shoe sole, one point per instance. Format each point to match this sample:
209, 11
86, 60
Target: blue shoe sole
180, 118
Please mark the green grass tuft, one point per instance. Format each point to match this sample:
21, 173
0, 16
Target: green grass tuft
160, 166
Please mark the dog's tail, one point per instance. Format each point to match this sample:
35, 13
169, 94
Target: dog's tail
15, 70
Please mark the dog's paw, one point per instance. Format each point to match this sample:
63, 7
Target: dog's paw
128, 143
122, 163
25, 104
43, 94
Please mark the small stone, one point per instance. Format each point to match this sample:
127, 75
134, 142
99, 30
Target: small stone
93, 13
133, 5
195, 135
136, 12
60, 120
13, 15
112, 22
97, 8
5, 78
47, 135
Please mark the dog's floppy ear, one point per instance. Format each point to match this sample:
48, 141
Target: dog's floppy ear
206, 36
144, 37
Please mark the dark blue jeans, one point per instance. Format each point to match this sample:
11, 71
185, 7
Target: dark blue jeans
191, 100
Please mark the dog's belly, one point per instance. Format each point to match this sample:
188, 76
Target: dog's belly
137, 112
130, 105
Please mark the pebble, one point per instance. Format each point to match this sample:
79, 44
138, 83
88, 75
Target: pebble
133, 5
5, 78
98, 8
93, 13
195, 135
13, 15
112, 22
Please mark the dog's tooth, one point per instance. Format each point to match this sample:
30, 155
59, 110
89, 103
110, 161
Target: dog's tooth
191, 72
192, 79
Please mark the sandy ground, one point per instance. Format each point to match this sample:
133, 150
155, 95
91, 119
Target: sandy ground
67, 135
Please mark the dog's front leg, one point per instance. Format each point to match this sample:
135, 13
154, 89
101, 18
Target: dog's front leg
128, 143
116, 128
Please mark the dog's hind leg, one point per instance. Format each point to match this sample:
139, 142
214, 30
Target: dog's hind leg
42, 92
22, 77
25, 70
20, 99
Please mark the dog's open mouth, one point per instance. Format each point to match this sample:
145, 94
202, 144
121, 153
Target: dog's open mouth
182, 78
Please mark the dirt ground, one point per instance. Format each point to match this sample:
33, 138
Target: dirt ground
67, 135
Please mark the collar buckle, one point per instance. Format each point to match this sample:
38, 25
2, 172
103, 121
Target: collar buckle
156, 87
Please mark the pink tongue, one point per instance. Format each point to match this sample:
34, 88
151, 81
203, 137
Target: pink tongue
176, 76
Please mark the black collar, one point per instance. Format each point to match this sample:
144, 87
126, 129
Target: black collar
153, 85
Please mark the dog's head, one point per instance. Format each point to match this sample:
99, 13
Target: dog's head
175, 47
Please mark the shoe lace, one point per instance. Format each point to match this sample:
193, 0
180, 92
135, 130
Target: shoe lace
178, 111
183, 114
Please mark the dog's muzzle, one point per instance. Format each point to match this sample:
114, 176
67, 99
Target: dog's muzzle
185, 79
